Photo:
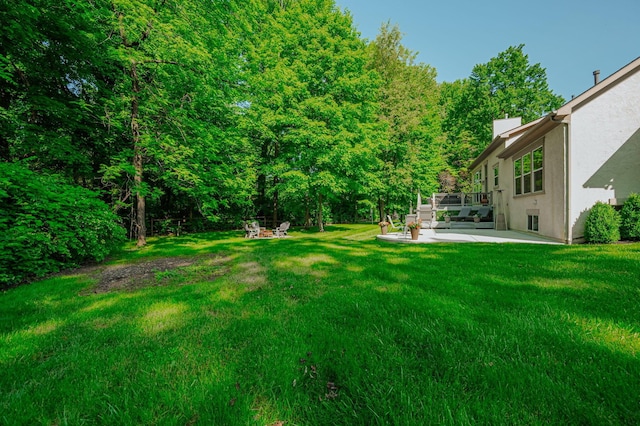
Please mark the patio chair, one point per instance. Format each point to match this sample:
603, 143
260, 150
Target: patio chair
251, 230
394, 225
398, 226
463, 215
281, 231
484, 213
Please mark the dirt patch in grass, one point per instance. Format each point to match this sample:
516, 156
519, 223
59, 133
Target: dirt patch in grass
156, 272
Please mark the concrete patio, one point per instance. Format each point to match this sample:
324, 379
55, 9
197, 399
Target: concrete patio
466, 236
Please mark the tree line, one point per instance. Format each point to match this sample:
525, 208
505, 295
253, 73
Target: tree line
226, 110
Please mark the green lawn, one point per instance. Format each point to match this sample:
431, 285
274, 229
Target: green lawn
331, 328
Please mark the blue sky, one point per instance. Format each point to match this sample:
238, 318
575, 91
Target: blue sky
569, 38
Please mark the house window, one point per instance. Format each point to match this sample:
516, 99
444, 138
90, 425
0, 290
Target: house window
537, 170
528, 172
532, 223
517, 173
477, 181
496, 181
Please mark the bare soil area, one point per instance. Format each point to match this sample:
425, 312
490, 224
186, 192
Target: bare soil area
161, 271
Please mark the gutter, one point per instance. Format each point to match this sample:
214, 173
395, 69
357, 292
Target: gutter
500, 139
544, 126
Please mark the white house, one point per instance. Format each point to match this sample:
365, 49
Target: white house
547, 174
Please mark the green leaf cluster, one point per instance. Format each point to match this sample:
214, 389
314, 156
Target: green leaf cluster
234, 109
410, 157
47, 225
507, 85
311, 114
630, 218
602, 225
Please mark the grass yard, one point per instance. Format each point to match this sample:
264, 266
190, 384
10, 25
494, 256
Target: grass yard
331, 328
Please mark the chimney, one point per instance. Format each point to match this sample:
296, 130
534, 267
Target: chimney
501, 126
596, 77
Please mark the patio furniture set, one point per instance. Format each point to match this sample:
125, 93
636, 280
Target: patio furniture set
457, 210
253, 230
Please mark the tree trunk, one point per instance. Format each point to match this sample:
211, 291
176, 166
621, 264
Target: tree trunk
307, 214
275, 204
138, 166
140, 200
262, 201
320, 224
381, 209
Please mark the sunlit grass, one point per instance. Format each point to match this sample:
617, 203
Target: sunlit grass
608, 334
330, 328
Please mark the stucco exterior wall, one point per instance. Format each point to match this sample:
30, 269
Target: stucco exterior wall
549, 204
605, 150
592, 155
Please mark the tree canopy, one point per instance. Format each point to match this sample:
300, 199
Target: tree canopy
229, 110
507, 85
410, 157
311, 112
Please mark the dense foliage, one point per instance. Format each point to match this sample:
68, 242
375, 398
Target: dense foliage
603, 224
228, 110
508, 85
47, 225
137, 97
312, 110
411, 157
630, 218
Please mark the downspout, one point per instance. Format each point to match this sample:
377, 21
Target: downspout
567, 190
568, 229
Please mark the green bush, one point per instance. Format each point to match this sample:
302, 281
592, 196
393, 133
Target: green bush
630, 218
47, 225
603, 224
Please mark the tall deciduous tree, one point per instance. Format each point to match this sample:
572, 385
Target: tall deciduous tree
139, 95
312, 105
53, 85
507, 85
410, 157
175, 100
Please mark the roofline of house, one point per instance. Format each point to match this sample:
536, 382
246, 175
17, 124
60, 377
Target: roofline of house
597, 89
544, 126
561, 115
498, 140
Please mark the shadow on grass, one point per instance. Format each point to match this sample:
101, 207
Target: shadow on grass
326, 328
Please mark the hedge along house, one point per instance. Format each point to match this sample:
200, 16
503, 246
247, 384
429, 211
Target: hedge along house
546, 175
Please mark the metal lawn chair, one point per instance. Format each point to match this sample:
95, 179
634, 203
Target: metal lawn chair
398, 226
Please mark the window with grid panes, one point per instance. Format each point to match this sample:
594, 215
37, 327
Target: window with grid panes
477, 181
517, 175
537, 170
528, 172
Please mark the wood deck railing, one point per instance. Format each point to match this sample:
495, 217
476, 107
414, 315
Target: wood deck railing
461, 199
